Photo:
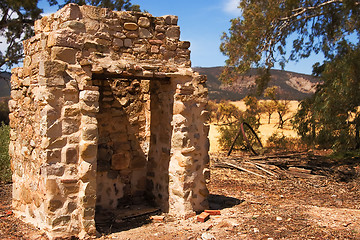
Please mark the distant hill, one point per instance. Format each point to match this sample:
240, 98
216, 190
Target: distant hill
5, 84
293, 86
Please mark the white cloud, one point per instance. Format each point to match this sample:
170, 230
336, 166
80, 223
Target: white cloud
231, 7
46, 14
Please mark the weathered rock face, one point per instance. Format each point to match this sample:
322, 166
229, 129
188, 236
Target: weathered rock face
105, 112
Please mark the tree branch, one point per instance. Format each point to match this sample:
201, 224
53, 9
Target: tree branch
300, 11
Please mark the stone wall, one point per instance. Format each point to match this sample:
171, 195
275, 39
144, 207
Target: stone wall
106, 110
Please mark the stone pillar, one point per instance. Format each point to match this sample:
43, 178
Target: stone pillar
89, 106
189, 148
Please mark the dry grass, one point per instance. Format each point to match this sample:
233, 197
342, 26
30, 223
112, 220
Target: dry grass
266, 130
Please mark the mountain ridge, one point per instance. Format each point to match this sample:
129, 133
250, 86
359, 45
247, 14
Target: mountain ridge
292, 85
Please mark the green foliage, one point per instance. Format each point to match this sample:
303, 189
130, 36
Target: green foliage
231, 123
17, 19
227, 136
259, 37
278, 141
5, 170
223, 112
331, 118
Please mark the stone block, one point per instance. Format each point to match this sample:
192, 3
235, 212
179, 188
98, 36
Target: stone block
179, 107
127, 42
88, 201
89, 213
70, 188
144, 22
89, 107
71, 206
51, 68
52, 186
53, 205
203, 217
54, 131
70, 154
121, 161
69, 12
86, 171
70, 126
70, 111
118, 43
130, 26
170, 19
65, 38
53, 170
75, 25
184, 44
89, 132
89, 96
62, 220
53, 156
64, 54
144, 33
88, 150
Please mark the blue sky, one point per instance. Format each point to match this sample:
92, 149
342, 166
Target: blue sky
202, 22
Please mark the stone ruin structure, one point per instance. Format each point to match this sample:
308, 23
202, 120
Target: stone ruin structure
106, 112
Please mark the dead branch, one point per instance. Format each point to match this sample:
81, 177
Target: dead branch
263, 169
245, 170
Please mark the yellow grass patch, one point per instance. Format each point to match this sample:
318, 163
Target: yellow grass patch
266, 130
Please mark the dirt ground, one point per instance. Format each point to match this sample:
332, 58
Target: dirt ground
324, 203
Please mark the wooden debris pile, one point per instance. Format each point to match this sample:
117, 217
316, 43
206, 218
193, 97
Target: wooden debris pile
281, 166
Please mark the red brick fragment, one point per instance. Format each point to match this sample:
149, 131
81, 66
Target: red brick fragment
202, 217
213, 212
157, 218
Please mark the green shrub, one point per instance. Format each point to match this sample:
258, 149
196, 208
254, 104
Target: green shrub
279, 142
5, 170
231, 118
227, 136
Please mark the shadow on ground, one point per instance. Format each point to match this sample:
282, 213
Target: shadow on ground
218, 202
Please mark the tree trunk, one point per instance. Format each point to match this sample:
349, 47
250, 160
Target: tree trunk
281, 121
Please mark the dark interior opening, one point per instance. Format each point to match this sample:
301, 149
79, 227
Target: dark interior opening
134, 138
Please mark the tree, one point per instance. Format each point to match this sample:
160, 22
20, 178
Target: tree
260, 37
331, 118
17, 19
269, 108
253, 108
280, 106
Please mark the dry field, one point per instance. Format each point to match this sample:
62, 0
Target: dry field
266, 130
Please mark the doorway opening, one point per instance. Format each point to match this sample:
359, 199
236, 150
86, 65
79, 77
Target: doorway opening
134, 141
